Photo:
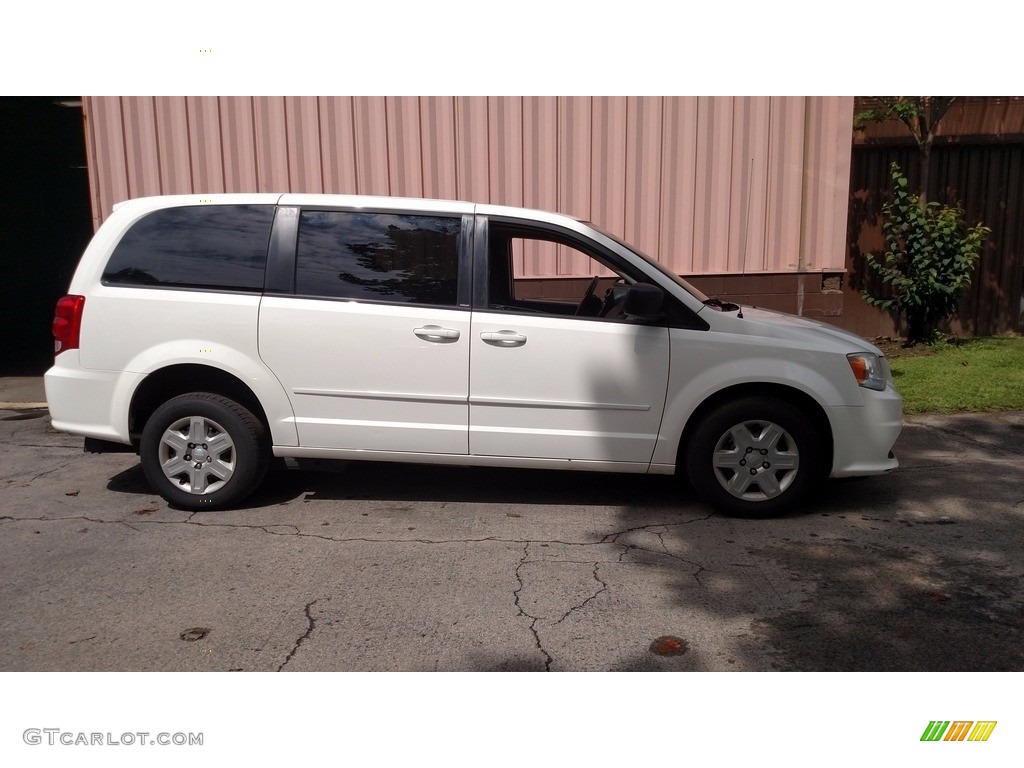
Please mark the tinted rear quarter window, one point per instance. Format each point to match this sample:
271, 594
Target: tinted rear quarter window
378, 257
213, 247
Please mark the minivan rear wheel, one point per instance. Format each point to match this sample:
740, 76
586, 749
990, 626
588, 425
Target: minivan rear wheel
203, 451
754, 457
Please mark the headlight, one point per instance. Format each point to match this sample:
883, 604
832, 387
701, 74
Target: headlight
867, 369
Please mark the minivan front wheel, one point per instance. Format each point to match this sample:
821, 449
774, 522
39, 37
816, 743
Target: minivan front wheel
203, 451
754, 457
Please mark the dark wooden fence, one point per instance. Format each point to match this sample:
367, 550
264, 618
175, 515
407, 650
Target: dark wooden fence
987, 181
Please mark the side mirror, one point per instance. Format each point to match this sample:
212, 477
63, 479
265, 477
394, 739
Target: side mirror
643, 302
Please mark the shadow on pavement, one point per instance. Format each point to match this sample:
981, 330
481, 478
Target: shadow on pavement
424, 483
919, 570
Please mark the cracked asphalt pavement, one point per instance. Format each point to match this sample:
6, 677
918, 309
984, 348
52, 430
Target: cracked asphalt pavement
392, 567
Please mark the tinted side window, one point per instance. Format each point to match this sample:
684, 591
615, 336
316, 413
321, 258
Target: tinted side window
212, 246
378, 257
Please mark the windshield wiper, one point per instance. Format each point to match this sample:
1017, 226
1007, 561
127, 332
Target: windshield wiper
724, 306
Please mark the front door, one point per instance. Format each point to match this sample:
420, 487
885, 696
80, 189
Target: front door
557, 372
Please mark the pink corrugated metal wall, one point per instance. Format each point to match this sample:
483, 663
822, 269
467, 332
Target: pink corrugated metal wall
708, 185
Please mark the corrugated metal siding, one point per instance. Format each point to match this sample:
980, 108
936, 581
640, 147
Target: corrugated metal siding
505, 142
173, 161
338, 142
540, 172
305, 166
828, 138
238, 141
678, 187
270, 137
786, 165
205, 143
439, 172
712, 185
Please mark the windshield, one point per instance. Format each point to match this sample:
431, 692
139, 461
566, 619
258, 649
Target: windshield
659, 267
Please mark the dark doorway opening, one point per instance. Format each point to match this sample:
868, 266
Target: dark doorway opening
45, 221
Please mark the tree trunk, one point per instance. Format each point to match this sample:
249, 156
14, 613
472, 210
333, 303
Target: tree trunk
924, 166
917, 330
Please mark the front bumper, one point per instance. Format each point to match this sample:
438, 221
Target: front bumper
863, 436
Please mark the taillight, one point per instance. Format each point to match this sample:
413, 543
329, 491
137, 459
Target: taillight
67, 323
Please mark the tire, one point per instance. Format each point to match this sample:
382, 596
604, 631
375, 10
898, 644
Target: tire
785, 445
234, 452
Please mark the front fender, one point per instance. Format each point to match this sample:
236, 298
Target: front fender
699, 371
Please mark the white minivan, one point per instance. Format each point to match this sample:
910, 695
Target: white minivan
211, 334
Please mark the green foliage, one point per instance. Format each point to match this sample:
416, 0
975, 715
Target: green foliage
904, 109
929, 263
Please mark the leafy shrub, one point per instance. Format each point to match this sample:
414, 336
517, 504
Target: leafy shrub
929, 263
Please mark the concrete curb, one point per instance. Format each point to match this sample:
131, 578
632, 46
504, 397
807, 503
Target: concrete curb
22, 393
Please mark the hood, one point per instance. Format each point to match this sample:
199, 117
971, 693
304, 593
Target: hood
779, 325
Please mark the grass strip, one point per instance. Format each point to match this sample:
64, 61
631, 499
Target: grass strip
972, 375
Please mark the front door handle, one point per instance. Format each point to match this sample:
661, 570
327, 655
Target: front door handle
436, 333
504, 339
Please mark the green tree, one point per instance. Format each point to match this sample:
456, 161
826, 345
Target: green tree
929, 262
921, 116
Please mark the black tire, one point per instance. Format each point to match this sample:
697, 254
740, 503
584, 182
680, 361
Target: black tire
755, 457
228, 462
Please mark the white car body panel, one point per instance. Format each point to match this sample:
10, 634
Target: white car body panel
798, 353
365, 379
572, 389
88, 402
141, 330
463, 460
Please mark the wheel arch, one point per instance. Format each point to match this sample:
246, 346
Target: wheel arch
790, 395
163, 384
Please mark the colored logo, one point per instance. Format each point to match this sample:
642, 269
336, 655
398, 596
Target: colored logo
958, 730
